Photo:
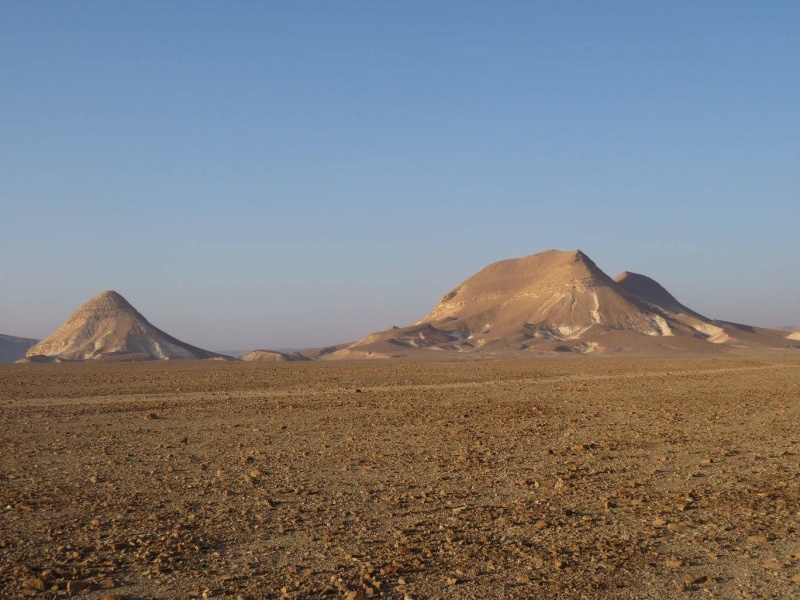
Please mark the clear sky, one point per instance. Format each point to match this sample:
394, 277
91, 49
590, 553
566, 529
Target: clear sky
286, 174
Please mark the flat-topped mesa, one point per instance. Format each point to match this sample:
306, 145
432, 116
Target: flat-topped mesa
109, 327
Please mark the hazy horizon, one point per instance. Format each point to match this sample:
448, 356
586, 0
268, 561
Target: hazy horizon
297, 175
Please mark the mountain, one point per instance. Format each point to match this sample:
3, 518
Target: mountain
107, 327
13, 348
558, 301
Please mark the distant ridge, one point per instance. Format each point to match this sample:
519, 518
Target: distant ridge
107, 327
13, 348
272, 356
558, 301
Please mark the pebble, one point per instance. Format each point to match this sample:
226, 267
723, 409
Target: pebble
674, 563
33, 583
73, 587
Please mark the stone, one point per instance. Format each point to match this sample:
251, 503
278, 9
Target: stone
674, 563
33, 583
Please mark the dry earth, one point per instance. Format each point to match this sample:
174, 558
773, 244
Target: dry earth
567, 478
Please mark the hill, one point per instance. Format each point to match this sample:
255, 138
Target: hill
107, 327
13, 348
559, 301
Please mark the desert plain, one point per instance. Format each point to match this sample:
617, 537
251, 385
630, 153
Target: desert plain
572, 477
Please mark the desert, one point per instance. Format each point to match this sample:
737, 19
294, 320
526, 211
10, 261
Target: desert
573, 477
399, 300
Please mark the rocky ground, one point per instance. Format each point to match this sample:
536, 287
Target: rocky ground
551, 478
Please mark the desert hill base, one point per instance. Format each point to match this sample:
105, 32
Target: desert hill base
591, 478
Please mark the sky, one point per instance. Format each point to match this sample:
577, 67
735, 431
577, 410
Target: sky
297, 174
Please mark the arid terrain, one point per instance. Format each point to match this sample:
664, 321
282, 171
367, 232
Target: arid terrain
569, 477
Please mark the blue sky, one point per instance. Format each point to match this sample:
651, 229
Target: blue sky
273, 174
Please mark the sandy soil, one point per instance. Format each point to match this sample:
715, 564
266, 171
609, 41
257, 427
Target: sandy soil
575, 478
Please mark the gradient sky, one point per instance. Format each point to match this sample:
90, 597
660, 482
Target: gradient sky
289, 174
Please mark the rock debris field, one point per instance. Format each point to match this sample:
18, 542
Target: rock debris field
570, 478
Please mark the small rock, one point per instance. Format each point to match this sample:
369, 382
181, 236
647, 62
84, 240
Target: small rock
757, 539
674, 563
796, 578
73, 587
451, 581
773, 565
33, 583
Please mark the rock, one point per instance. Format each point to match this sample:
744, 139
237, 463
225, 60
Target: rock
150, 416
674, 563
757, 539
73, 587
796, 578
773, 565
33, 583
